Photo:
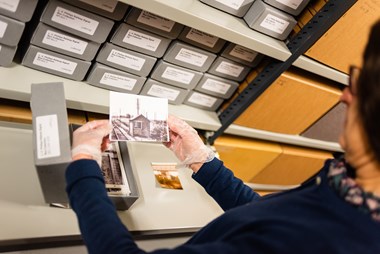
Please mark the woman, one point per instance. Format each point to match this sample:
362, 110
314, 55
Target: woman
337, 211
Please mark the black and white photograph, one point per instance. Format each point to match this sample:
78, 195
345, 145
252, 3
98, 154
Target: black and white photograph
138, 118
113, 171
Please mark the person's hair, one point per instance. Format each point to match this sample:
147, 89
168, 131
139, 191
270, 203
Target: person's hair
368, 90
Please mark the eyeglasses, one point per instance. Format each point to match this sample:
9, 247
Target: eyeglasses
353, 79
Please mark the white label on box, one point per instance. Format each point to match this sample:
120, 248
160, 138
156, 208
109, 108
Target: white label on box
229, 69
234, 4
142, 40
243, 53
107, 5
216, 86
202, 38
65, 42
54, 63
163, 92
156, 21
126, 60
291, 3
202, 99
3, 28
75, 21
118, 81
9, 5
191, 57
178, 75
47, 137
274, 24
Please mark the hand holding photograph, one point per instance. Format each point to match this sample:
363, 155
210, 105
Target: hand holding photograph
138, 118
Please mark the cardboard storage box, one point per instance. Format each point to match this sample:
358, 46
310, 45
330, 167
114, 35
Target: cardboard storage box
292, 103
293, 166
52, 146
76, 21
201, 39
175, 95
203, 101
269, 20
126, 60
115, 80
241, 54
328, 127
189, 56
216, 86
51, 139
112, 9
229, 69
235, 7
343, 44
62, 42
293, 7
7, 53
10, 31
139, 40
21, 10
154, 23
55, 63
246, 157
175, 75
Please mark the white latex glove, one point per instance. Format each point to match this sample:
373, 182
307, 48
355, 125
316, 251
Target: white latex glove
186, 144
90, 140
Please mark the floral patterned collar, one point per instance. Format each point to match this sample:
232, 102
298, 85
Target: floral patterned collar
342, 180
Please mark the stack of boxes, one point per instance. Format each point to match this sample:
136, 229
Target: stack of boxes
13, 16
67, 39
271, 17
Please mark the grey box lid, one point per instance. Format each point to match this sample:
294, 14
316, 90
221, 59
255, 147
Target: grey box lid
10, 31
241, 54
139, 40
229, 69
21, 10
175, 75
292, 7
126, 60
217, 86
7, 54
175, 95
232, 7
77, 21
115, 80
154, 23
201, 39
62, 42
203, 101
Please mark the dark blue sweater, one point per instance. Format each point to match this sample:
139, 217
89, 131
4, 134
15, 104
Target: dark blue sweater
309, 219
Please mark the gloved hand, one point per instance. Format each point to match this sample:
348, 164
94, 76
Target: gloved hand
186, 144
90, 140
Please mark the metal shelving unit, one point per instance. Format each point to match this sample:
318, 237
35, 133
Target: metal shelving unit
16, 80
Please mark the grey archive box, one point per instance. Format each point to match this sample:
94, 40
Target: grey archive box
115, 80
7, 53
188, 56
269, 20
293, 7
10, 31
201, 39
62, 42
77, 21
111, 9
114, 160
140, 40
237, 8
203, 101
154, 23
175, 95
175, 75
21, 10
51, 139
216, 86
229, 69
55, 63
126, 60
241, 54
